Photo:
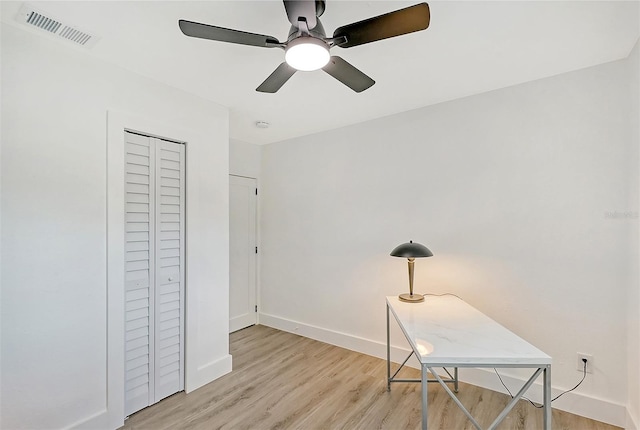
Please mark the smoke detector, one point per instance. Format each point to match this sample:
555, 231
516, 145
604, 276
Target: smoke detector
42, 21
262, 124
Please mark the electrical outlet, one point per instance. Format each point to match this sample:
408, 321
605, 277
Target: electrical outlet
580, 363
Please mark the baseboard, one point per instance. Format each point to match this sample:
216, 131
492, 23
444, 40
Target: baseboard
575, 403
241, 322
631, 424
205, 374
209, 372
99, 420
343, 340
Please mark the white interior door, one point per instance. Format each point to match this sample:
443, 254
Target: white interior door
242, 252
154, 270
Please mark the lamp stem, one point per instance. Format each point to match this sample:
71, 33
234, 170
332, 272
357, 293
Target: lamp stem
410, 262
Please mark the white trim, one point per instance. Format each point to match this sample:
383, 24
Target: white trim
259, 255
631, 423
116, 124
212, 371
95, 421
344, 340
575, 403
243, 321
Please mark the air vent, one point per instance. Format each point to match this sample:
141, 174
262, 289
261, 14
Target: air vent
43, 21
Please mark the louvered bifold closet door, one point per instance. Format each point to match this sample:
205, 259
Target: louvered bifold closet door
154, 270
169, 347
139, 271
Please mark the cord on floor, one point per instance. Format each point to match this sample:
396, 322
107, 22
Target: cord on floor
584, 375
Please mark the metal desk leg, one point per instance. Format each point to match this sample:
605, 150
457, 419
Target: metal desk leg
424, 384
388, 353
547, 397
455, 377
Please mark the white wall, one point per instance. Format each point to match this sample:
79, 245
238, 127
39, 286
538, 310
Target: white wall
633, 334
54, 228
510, 190
244, 158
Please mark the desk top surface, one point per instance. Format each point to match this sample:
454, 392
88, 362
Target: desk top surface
445, 330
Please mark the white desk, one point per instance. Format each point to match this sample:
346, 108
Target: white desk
444, 331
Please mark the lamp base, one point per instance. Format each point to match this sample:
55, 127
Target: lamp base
412, 298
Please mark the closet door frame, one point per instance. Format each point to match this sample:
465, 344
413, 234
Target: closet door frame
117, 123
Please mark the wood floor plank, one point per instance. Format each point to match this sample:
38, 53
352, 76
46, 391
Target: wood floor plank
284, 381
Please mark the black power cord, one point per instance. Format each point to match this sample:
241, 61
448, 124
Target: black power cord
584, 369
584, 375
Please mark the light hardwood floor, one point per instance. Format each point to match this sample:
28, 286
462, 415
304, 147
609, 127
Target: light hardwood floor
284, 381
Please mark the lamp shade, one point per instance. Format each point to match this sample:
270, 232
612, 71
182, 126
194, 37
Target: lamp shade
411, 250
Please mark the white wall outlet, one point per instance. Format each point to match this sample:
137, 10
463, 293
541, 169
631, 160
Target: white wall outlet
580, 363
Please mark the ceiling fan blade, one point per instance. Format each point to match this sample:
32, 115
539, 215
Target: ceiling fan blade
403, 21
277, 79
348, 74
204, 31
305, 9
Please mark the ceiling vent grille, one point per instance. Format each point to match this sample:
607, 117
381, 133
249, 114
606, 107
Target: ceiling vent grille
36, 19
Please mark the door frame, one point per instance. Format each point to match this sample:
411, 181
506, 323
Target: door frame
257, 244
117, 124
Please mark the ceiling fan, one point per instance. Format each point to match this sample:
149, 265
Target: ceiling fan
307, 47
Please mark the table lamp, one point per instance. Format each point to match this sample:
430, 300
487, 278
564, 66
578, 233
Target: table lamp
411, 251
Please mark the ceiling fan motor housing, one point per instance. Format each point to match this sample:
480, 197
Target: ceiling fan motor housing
317, 31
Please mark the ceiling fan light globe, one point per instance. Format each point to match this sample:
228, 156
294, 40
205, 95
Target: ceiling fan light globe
307, 54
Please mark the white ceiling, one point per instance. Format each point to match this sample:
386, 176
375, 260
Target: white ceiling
469, 48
